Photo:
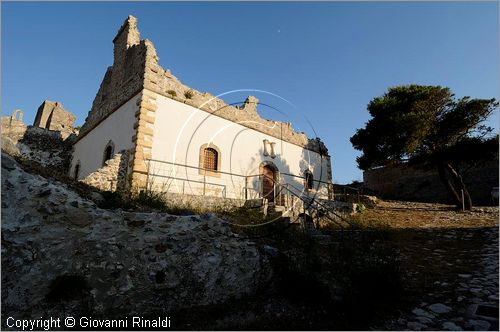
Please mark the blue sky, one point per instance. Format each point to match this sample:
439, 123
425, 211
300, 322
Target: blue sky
329, 59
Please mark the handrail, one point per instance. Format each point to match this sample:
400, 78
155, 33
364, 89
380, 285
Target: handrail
302, 199
228, 173
188, 180
303, 178
346, 186
313, 200
199, 168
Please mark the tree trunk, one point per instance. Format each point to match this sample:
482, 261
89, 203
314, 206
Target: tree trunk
459, 183
454, 184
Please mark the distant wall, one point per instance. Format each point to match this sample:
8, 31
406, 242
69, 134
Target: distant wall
416, 184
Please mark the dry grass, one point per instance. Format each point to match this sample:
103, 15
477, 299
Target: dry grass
398, 214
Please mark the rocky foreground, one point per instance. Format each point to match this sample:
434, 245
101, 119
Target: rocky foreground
412, 266
60, 248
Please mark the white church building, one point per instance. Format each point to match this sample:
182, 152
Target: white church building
172, 138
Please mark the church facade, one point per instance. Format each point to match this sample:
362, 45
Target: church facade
173, 138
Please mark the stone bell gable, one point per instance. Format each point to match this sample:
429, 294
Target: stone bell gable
124, 79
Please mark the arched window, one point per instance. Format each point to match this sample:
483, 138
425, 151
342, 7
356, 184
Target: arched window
210, 158
308, 180
108, 152
77, 170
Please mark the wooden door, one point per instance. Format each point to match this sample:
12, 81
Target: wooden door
268, 178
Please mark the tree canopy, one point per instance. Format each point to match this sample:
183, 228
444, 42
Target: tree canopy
427, 124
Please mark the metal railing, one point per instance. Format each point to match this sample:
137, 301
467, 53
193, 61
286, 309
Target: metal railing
188, 179
161, 175
320, 209
345, 193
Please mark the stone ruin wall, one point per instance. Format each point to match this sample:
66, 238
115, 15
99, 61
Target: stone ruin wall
113, 175
199, 204
124, 79
136, 67
415, 184
13, 126
49, 148
52, 115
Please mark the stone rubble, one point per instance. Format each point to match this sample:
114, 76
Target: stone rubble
112, 176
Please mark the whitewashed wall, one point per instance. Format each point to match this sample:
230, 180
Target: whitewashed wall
118, 127
179, 132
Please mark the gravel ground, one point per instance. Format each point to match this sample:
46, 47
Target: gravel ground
449, 264
397, 214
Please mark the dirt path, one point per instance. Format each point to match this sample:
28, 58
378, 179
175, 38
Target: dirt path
449, 264
397, 214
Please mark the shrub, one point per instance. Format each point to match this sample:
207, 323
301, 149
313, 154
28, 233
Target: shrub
172, 93
189, 94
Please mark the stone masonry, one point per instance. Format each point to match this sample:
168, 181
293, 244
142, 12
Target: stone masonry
52, 115
416, 184
143, 140
113, 175
13, 126
49, 148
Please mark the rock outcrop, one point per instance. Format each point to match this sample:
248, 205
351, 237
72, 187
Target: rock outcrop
61, 252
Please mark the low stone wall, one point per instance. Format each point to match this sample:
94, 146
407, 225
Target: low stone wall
203, 203
416, 184
113, 175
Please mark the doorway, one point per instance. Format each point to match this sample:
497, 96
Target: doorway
268, 181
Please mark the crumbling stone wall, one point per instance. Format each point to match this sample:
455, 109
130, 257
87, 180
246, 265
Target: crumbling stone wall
420, 185
13, 126
52, 115
124, 79
47, 148
43, 146
203, 203
113, 175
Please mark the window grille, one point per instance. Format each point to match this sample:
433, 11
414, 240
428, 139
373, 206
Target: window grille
210, 159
